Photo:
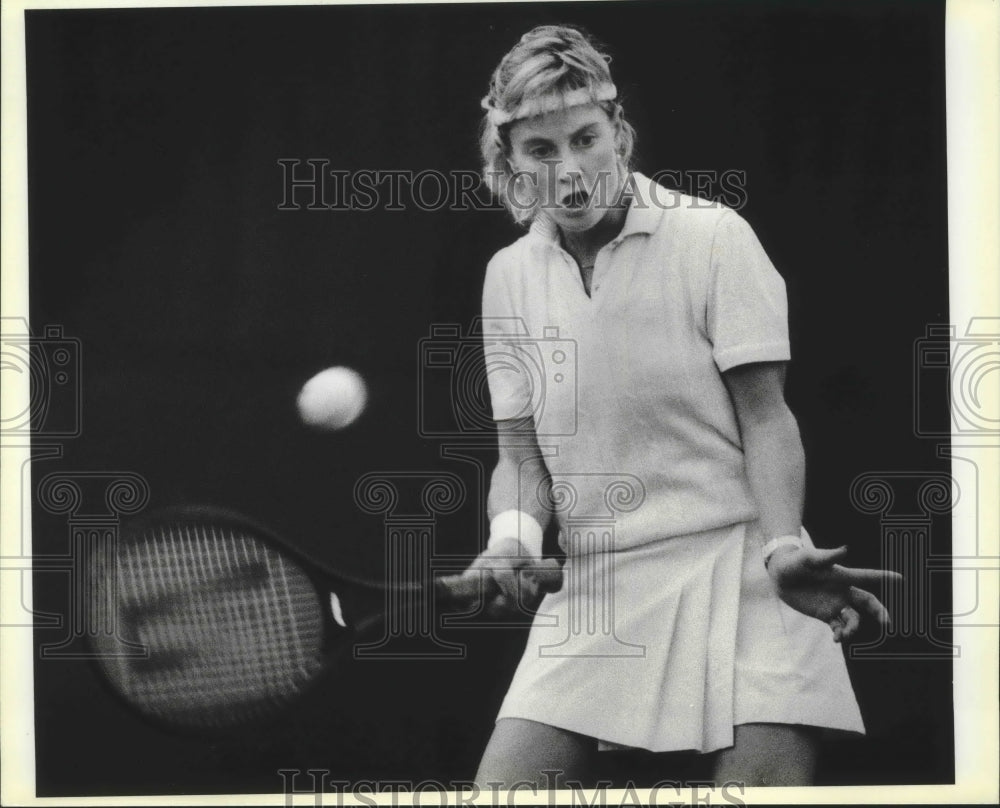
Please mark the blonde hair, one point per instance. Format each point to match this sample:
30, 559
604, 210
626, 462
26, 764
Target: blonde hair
551, 67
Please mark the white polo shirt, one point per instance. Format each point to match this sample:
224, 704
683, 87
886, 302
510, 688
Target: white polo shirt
625, 387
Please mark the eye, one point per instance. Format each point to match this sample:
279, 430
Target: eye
540, 152
586, 140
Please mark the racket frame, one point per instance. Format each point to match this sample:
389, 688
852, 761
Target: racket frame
323, 580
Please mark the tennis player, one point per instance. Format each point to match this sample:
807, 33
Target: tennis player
696, 613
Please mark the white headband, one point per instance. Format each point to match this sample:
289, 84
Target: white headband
551, 103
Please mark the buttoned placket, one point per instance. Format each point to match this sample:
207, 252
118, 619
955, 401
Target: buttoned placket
601, 266
597, 277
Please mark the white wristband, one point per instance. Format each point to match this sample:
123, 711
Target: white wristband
780, 541
517, 525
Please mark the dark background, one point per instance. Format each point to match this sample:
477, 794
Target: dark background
156, 240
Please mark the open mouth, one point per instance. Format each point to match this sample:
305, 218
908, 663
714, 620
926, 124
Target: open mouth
575, 201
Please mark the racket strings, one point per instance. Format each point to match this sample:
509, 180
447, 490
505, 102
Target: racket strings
233, 629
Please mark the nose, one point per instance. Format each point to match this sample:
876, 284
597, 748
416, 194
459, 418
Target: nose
568, 169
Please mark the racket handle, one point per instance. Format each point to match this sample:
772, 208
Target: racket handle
464, 589
470, 587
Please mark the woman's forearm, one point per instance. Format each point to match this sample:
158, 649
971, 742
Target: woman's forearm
519, 485
776, 470
772, 446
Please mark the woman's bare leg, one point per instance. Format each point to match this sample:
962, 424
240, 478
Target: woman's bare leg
769, 755
527, 752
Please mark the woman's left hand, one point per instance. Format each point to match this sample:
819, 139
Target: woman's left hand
812, 582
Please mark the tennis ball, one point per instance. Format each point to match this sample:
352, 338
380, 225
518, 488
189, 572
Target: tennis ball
332, 399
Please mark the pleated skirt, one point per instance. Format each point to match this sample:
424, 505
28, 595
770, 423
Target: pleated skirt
670, 645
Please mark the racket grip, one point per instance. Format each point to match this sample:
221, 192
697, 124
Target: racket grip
470, 587
465, 589
548, 574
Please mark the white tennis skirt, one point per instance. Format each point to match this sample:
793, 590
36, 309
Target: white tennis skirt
669, 645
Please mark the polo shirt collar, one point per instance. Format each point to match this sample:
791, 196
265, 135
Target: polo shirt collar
643, 216
645, 211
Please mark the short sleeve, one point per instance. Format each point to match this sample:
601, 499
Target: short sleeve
747, 315
504, 331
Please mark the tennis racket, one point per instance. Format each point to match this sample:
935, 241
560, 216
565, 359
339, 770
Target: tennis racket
221, 625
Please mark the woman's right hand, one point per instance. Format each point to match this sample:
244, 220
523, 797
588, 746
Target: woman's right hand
515, 581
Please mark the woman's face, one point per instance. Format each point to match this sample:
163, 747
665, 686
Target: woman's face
569, 162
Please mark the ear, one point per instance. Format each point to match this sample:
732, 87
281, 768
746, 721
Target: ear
619, 136
618, 124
